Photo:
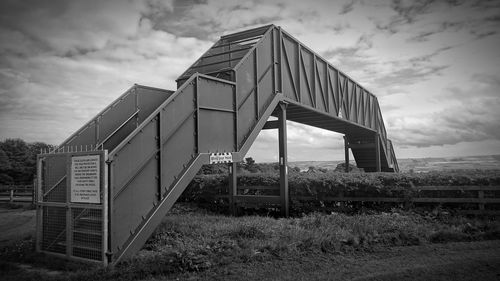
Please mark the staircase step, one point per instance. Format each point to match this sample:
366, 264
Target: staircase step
87, 231
82, 245
91, 219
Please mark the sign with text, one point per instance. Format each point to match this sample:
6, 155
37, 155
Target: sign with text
216, 158
85, 176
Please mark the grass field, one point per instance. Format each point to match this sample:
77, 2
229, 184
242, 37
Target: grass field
485, 162
194, 244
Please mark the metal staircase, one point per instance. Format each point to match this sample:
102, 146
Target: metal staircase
158, 140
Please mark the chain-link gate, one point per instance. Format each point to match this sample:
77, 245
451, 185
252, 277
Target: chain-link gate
72, 204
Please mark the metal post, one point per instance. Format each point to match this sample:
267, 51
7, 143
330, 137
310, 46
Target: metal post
280, 58
377, 153
69, 219
105, 206
110, 184
346, 154
283, 161
232, 188
33, 193
39, 199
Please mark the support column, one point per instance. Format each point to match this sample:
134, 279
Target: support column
377, 153
346, 154
232, 188
283, 161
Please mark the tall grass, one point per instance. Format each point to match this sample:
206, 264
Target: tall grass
194, 240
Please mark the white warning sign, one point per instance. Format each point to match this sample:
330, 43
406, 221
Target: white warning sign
216, 158
85, 185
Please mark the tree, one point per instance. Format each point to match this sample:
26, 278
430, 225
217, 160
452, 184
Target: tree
18, 160
352, 168
250, 165
249, 161
5, 166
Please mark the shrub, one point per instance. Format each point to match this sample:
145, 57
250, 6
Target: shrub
209, 190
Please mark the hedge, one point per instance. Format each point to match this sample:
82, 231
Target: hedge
209, 188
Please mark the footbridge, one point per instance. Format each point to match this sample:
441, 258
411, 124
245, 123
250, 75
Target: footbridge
104, 190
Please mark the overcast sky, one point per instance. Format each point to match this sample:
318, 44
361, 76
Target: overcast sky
434, 65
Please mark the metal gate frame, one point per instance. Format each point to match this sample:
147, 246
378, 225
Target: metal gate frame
58, 218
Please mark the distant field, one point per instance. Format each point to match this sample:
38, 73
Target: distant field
490, 162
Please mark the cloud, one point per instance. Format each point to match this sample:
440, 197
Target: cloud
304, 142
407, 75
61, 62
202, 20
467, 115
69, 26
346, 8
433, 64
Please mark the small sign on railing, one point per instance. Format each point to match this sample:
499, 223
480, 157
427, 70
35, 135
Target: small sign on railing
216, 158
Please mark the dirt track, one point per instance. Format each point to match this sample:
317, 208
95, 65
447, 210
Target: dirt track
453, 261
16, 224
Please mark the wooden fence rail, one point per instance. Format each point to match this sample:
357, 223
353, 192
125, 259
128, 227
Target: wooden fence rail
477, 195
17, 193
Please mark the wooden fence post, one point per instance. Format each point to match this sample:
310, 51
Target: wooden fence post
342, 202
480, 195
232, 188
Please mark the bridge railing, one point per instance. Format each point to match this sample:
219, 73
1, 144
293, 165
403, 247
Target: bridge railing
110, 126
267, 60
